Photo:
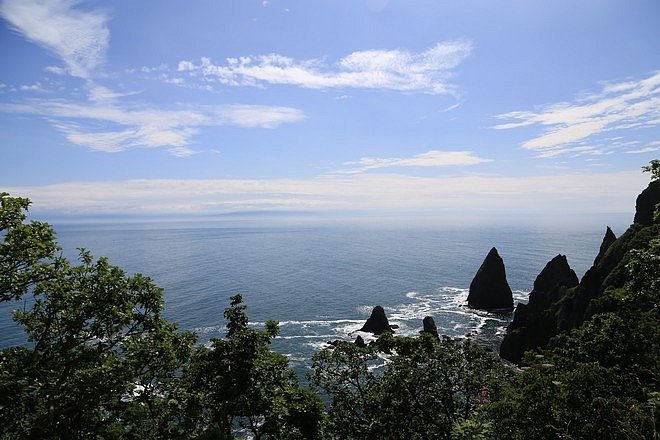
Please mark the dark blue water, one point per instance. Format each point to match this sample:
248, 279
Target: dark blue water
320, 283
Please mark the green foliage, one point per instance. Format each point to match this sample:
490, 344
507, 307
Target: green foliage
472, 429
240, 384
654, 168
102, 362
426, 387
601, 379
22, 249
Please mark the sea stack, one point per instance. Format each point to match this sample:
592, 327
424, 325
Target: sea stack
377, 322
430, 327
489, 289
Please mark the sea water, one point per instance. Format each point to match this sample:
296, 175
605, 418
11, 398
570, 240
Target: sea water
321, 282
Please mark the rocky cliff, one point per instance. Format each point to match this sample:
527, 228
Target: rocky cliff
533, 323
552, 310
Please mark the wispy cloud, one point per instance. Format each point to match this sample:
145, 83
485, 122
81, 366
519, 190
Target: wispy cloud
36, 87
146, 126
78, 37
578, 193
104, 122
653, 146
428, 71
618, 106
433, 158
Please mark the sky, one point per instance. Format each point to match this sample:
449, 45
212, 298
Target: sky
470, 109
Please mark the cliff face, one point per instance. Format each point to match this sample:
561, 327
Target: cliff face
646, 203
533, 323
489, 290
563, 307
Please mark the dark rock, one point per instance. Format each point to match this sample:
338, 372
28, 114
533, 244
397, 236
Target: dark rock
605, 245
489, 289
609, 268
646, 203
563, 308
377, 322
534, 323
359, 342
555, 274
430, 327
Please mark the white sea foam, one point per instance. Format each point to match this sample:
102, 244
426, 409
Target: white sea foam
307, 337
447, 305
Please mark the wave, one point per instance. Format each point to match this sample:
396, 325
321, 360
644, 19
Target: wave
300, 339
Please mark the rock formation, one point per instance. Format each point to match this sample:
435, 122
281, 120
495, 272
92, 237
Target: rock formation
534, 323
605, 245
377, 322
430, 327
646, 203
359, 342
489, 289
567, 308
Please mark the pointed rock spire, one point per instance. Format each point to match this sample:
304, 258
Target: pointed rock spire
558, 273
605, 245
533, 323
489, 290
377, 322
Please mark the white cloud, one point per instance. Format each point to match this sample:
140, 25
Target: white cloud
550, 195
55, 69
653, 146
574, 152
622, 106
101, 94
79, 38
146, 126
31, 87
433, 158
428, 71
259, 115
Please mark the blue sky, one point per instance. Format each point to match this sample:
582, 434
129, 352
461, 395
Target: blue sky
389, 107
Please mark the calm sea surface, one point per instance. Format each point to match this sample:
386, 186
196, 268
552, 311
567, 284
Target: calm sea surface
321, 283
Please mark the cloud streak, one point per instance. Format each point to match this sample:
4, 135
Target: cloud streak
400, 70
79, 38
433, 158
146, 127
367, 193
566, 126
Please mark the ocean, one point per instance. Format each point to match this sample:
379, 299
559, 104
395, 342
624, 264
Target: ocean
321, 282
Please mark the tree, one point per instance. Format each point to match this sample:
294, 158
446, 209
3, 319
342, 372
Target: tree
100, 359
241, 385
654, 168
425, 388
102, 362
